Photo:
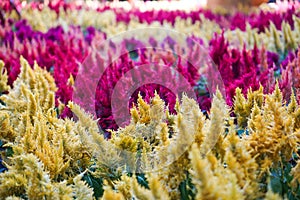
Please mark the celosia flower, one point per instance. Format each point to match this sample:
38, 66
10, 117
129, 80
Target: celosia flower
212, 159
238, 68
259, 20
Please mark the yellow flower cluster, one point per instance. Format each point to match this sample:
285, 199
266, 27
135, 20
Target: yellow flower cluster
48, 155
272, 39
3, 78
51, 155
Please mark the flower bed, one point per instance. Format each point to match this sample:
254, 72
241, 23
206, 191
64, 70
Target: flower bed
71, 77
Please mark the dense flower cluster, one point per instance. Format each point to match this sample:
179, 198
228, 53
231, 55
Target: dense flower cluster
237, 140
193, 156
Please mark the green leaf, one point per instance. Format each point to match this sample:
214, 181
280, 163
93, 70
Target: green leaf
134, 55
95, 183
9, 152
187, 189
276, 184
142, 180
